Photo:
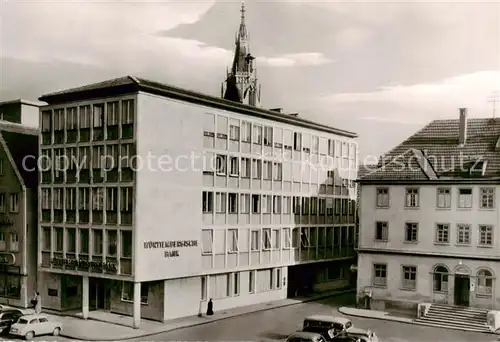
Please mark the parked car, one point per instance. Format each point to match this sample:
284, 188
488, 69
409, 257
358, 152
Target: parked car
35, 325
344, 337
7, 318
327, 326
303, 336
363, 334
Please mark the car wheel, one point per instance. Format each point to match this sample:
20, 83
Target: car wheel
29, 335
56, 331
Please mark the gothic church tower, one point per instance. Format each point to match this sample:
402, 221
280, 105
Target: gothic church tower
241, 82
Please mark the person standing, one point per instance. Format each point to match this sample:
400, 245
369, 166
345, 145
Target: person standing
210, 308
38, 304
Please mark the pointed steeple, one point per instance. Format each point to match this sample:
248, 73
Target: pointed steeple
241, 82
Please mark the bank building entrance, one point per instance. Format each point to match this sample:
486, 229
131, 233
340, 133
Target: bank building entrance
99, 294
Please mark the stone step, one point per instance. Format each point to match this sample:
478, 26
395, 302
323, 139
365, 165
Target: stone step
459, 308
452, 326
459, 320
457, 314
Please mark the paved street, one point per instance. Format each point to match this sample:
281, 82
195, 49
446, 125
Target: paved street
274, 325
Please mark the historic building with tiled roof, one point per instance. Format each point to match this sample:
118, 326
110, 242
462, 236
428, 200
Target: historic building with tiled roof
429, 218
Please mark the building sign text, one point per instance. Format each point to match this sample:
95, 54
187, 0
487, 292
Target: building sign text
170, 245
109, 266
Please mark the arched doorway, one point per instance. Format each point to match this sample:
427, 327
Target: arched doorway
462, 285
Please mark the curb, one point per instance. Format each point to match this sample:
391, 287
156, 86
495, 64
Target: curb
270, 307
415, 323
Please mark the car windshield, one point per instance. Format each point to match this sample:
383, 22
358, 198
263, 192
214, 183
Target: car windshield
22, 321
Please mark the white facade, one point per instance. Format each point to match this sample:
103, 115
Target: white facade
197, 232
416, 239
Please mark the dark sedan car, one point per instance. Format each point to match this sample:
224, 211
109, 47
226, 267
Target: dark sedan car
7, 318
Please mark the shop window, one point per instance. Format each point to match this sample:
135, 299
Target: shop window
128, 292
10, 286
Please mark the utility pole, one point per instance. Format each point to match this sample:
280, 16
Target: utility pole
494, 99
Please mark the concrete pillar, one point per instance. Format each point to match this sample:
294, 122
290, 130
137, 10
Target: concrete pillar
85, 297
137, 305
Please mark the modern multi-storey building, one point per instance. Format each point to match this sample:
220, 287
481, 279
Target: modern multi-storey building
177, 197
430, 218
18, 201
159, 234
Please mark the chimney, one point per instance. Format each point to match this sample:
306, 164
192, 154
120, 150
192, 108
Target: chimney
462, 128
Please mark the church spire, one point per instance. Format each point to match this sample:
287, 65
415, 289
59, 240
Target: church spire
241, 82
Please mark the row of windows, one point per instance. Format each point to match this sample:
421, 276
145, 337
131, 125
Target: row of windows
443, 198
13, 242
13, 203
234, 203
440, 278
85, 198
272, 136
61, 240
277, 238
74, 124
257, 168
442, 235
229, 284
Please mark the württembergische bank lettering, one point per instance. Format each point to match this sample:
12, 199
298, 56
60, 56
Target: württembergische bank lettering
170, 244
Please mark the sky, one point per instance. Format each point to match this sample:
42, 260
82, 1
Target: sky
380, 69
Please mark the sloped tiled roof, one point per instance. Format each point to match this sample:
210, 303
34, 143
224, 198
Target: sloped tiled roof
132, 84
365, 169
436, 151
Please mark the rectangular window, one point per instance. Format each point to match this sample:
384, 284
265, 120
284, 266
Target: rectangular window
14, 242
126, 244
412, 198
268, 136
234, 132
232, 240
97, 241
208, 201
233, 203
266, 238
463, 234
379, 275
304, 237
287, 203
220, 202
256, 168
203, 288
465, 198
244, 203
207, 240
277, 204
59, 239
71, 240
234, 166
236, 284
381, 231
112, 114
47, 202
444, 198
246, 131
47, 238
485, 235
98, 115
287, 238
255, 204
382, 197
277, 171
84, 241
257, 134
254, 240
442, 233
221, 164
112, 237
411, 232
128, 292
83, 198
267, 204
275, 237
246, 167
14, 203
409, 277
487, 200
267, 170
297, 141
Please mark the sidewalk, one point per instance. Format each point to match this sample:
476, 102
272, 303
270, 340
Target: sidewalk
112, 327
374, 314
